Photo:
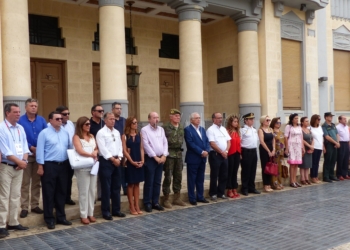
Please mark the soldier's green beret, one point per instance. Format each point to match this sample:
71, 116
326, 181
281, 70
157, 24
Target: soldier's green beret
175, 111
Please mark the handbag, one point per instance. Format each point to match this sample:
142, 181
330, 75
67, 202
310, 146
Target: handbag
271, 168
77, 161
284, 170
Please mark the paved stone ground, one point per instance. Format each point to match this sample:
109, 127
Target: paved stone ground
313, 217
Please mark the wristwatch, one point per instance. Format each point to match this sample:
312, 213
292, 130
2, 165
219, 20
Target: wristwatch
120, 159
25, 160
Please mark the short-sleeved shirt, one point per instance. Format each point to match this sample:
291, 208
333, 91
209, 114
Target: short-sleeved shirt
219, 135
95, 127
317, 134
343, 132
249, 137
120, 124
330, 130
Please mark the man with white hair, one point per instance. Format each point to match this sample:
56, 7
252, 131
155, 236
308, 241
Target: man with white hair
198, 147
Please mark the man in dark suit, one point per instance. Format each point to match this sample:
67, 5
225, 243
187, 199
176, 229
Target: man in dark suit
196, 157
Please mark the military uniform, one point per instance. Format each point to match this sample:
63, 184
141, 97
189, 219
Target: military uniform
173, 165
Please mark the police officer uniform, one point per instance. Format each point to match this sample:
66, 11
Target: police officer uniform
173, 165
249, 142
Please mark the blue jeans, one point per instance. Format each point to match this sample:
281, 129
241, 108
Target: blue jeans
316, 155
153, 179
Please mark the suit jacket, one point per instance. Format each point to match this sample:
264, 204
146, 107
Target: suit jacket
196, 145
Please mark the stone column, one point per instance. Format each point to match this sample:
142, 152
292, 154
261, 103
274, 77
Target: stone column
16, 82
113, 55
191, 67
248, 59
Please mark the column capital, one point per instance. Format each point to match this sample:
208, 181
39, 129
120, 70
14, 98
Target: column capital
119, 3
188, 9
247, 23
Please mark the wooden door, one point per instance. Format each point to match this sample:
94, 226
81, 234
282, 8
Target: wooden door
341, 80
169, 91
48, 85
292, 74
132, 93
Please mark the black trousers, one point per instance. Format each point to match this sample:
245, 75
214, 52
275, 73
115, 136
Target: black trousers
233, 165
264, 158
248, 163
70, 173
54, 189
343, 159
218, 174
110, 186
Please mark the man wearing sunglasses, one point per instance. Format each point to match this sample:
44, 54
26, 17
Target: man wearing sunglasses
52, 158
69, 127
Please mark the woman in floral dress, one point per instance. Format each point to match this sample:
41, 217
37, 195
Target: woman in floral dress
276, 181
294, 147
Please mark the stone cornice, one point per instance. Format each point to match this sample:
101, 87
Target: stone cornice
119, 3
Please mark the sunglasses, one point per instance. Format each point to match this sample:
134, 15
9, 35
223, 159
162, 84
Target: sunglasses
65, 114
113, 137
268, 120
134, 123
319, 119
87, 124
278, 123
58, 119
100, 111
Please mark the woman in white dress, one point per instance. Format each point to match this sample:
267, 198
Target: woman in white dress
85, 145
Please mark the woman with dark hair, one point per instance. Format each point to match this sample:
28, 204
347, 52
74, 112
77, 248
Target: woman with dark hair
85, 145
234, 156
276, 181
309, 149
134, 153
294, 147
266, 149
317, 134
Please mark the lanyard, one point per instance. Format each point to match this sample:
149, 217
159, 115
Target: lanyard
19, 136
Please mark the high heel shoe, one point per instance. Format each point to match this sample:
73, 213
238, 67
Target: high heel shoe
235, 194
85, 221
92, 219
298, 184
293, 185
230, 194
138, 210
308, 182
269, 188
303, 182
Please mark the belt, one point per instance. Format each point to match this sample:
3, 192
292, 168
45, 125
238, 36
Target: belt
344, 142
57, 162
159, 156
12, 165
249, 149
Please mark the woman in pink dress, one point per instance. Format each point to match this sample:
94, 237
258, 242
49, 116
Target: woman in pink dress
294, 147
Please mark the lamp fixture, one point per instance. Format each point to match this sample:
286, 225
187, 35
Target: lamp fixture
303, 7
322, 79
132, 78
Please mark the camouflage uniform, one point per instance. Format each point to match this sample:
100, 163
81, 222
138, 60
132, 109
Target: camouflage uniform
173, 165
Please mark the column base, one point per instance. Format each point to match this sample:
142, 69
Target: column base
19, 100
107, 106
251, 108
187, 108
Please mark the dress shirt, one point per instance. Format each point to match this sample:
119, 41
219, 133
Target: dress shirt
95, 127
109, 143
119, 125
52, 145
219, 135
343, 132
197, 130
154, 141
9, 136
32, 128
330, 130
317, 134
69, 127
249, 137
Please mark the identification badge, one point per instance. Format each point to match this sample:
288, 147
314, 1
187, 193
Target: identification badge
19, 149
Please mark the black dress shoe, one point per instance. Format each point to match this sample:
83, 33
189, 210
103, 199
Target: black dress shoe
254, 191
244, 192
158, 207
18, 227
334, 179
327, 180
70, 202
119, 214
23, 214
203, 201
3, 233
50, 225
107, 217
194, 203
148, 208
64, 222
37, 210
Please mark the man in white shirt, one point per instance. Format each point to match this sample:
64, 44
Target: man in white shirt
111, 152
343, 150
249, 143
220, 142
69, 127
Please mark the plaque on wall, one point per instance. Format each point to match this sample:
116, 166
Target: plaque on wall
225, 74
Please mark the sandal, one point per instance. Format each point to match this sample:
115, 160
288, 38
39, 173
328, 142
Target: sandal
298, 184
281, 186
293, 185
303, 183
230, 194
308, 182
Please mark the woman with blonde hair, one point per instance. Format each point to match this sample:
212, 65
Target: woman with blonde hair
234, 155
266, 149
